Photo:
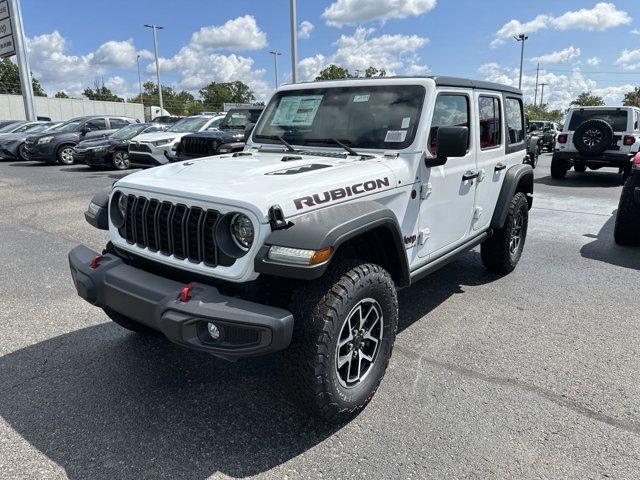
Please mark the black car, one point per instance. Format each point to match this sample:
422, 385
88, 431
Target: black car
112, 151
627, 227
547, 131
12, 145
228, 138
58, 146
167, 119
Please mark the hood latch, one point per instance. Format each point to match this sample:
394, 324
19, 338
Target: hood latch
277, 220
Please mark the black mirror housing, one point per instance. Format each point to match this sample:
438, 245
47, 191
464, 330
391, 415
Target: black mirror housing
452, 142
248, 128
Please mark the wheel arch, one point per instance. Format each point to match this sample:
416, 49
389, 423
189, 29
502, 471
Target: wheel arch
518, 178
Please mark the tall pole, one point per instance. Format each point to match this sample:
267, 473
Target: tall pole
521, 38
294, 42
542, 94
140, 81
535, 97
23, 63
275, 61
155, 50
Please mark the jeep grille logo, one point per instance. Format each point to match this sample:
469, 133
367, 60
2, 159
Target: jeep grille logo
338, 193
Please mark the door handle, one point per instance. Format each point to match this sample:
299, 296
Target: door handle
470, 175
500, 166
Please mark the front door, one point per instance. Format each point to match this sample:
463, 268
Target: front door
446, 210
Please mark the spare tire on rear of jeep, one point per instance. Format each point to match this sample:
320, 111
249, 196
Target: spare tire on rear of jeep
593, 137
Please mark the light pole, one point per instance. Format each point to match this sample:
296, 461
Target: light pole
294, 42
23, 63
521, 38
140, 80
542, 94
155, 49
535, 96
275, 61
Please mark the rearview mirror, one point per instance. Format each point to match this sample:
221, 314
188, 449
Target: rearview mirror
248, 128
450, 142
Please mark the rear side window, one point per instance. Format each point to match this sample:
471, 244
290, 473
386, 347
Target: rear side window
451, 110
515, 122
118, 122
96, 124
490, 122
616, 118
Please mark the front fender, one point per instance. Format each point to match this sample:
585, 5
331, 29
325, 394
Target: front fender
518, 178
97, 214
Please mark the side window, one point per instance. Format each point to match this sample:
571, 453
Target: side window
96, 124
515, 125
490, 122
636, 118
118, 122
450, 110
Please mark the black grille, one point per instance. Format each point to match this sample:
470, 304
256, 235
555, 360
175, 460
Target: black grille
199, 147
178, 230
139, 147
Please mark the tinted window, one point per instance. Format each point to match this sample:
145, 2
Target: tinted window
118, 122
515, 124
449, 111
490, 122
189, 124
616, 118
368, 116
96, 124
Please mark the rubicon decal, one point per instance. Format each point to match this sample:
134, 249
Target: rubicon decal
338, 193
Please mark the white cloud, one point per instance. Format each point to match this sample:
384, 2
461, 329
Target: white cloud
561, 89
360, 51
558, 56
343, 12
593, 61
601, 17
241, 33
116, 54
304, 29
629, 59
635, 31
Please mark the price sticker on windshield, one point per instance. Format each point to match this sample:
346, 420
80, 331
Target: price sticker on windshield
395, 136
361, 98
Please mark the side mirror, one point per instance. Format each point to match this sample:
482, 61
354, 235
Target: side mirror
248, 128
450, 142
84, 130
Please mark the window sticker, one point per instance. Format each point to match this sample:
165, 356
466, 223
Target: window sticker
405, 122
297, 111
361, 98
395, 136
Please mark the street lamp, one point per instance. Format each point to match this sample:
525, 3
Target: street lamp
140, 80
294, 42
521, 38
275, 61
155, 49
542, 94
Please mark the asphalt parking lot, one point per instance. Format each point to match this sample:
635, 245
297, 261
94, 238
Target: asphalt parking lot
532, 375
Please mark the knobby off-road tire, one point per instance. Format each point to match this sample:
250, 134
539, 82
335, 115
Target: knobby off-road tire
558, 168
328, 330
627, 228
128, 323
503, 250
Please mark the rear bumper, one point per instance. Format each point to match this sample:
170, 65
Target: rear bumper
617, 160
247, 328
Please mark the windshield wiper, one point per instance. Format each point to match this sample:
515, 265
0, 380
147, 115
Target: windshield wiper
335, 141
280, 139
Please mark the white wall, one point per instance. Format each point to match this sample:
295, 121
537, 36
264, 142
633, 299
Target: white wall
12, 108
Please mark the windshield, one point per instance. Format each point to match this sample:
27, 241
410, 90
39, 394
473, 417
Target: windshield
27, 127
189, 124
616, 118
240, 118
70, 126
380, 117
39, 127
130, 131
11, 127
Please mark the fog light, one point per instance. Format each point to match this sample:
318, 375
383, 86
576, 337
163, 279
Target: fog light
214, 331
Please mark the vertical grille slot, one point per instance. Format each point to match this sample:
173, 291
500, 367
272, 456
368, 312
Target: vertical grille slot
209, 247
128, 227
195, 218
151, 224
164, 228
138, 222
178, 224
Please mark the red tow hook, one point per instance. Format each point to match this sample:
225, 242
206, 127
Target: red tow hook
185, 293
95, 262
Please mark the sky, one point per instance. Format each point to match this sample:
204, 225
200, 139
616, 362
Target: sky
580, 45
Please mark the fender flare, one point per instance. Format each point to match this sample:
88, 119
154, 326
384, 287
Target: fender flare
97, 214
332, 227
518, 178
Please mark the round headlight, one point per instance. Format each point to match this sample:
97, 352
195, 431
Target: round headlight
118, 210
122, 204
242, 231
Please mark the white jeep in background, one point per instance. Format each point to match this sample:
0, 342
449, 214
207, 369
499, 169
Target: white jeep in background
596, 137
345, 192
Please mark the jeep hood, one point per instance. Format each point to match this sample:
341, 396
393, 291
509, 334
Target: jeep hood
156, 136
260, 180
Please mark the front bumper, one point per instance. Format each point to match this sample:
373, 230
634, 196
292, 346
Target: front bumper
617, 160
92, 157
247, 328
42, 152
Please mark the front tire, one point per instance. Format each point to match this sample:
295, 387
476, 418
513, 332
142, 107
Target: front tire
627, 228
344, 331
120, 160
502, 251
21, 152
558, 168
65, 155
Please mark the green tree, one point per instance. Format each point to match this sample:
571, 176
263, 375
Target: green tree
100, 92
632, 98
587, 99
176, 103
537, 112
374, 72
217, 93
61, 95
10, 80
333, 72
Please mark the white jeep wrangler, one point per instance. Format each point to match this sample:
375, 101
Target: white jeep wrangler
596, 137
345, 192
